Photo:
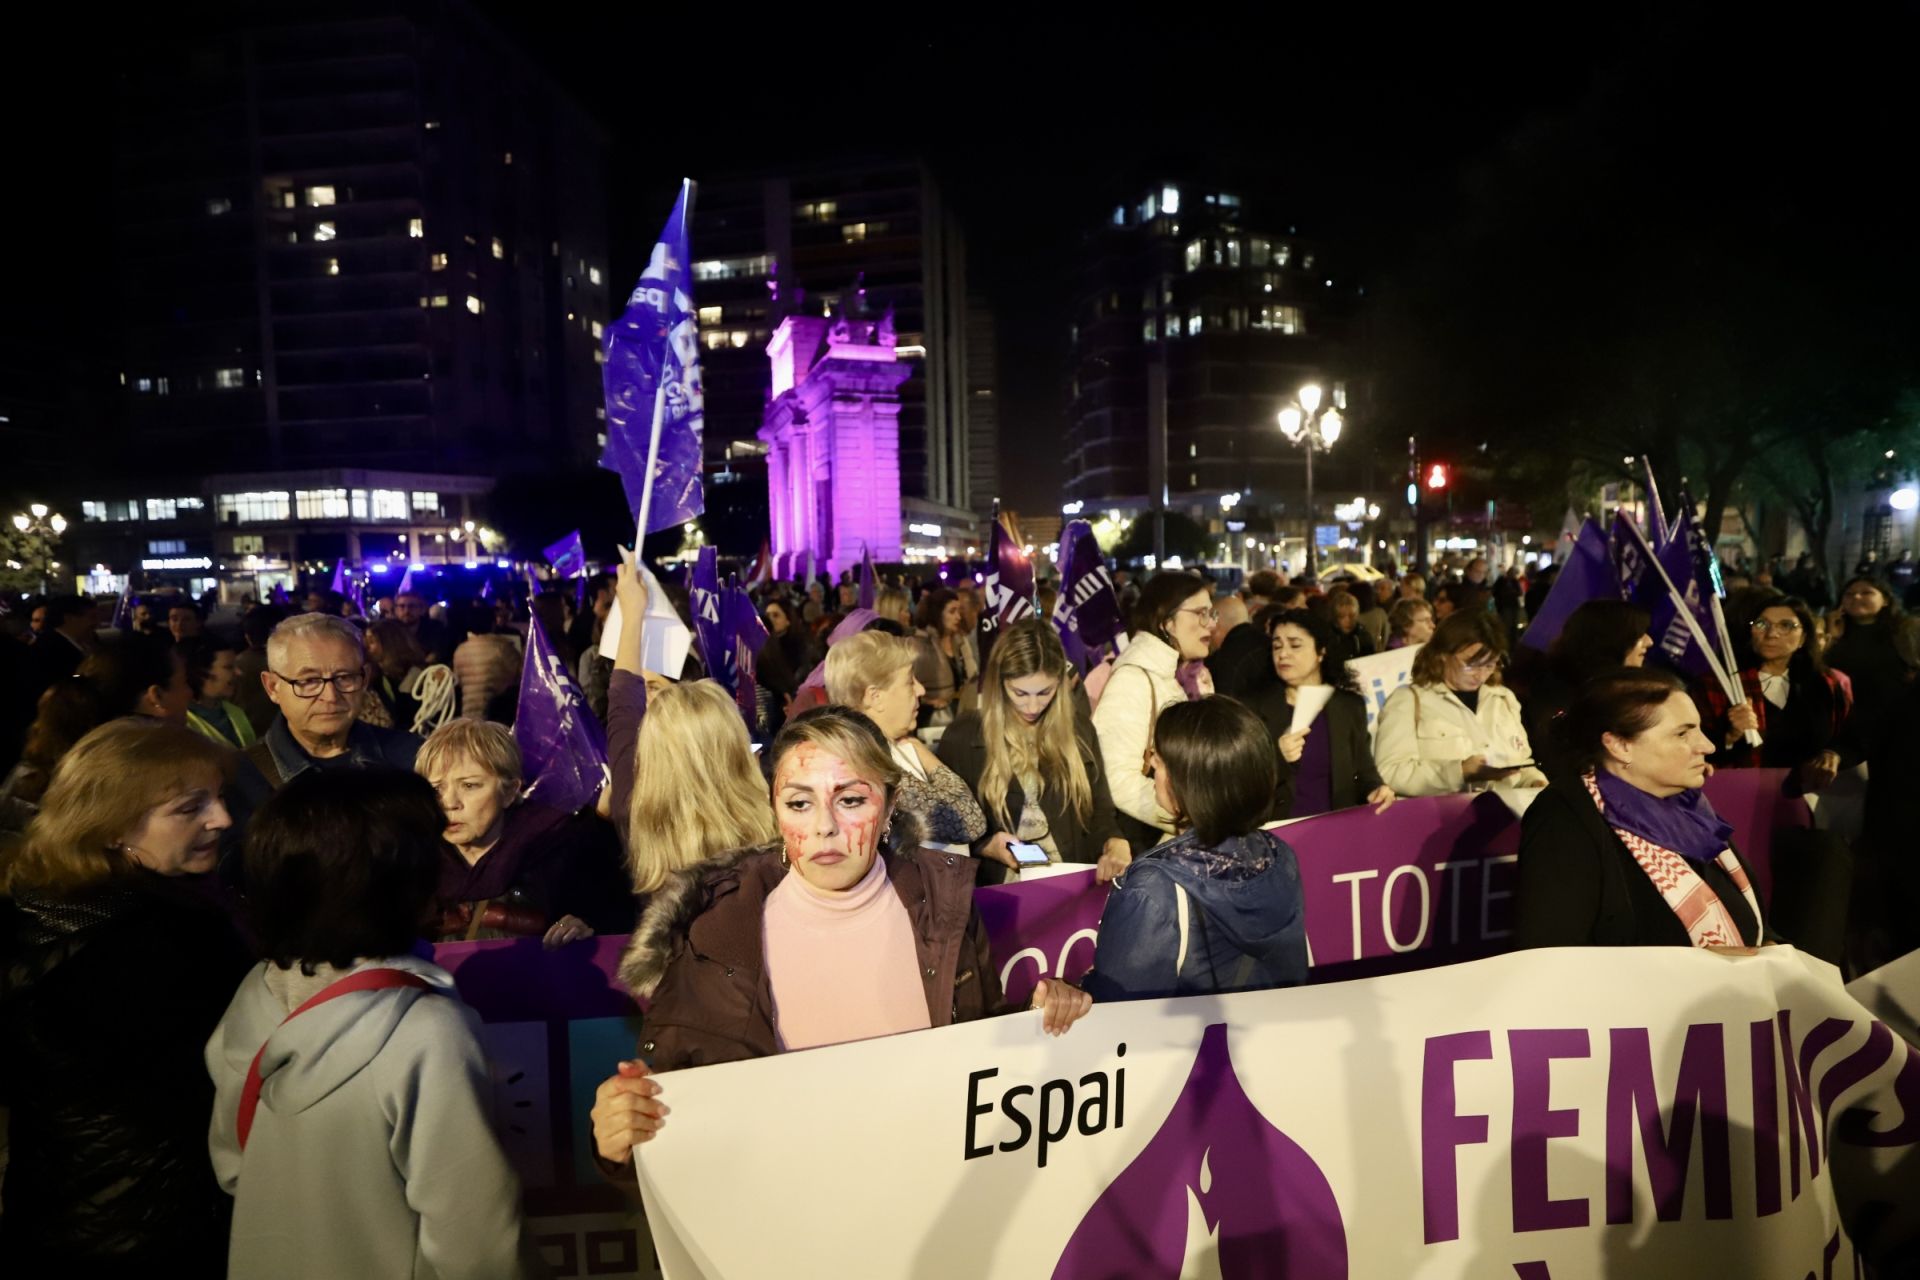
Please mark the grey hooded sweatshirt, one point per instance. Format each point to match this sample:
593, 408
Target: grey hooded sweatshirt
373, 1152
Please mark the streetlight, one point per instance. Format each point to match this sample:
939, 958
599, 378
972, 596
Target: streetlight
44, 526
1306, 424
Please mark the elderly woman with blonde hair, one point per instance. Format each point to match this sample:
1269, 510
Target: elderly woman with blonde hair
872, 672
514, 867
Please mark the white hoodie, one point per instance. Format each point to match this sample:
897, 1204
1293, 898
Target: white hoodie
372, 1153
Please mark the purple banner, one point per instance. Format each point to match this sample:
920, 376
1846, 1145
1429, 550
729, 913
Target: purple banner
339, 586
562, 747
653, 370
703, 601
744, 636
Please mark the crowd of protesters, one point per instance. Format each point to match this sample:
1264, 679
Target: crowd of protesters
254, 822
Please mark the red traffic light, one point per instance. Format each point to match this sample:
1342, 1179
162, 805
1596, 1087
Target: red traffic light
1437, 476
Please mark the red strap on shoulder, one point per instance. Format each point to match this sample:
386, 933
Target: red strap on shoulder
365, 980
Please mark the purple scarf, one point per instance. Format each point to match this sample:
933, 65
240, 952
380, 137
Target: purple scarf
1685, 823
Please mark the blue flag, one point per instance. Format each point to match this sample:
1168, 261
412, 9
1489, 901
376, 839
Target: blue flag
869, 588
567, 556
1631, 557
703, 602
1588, 574
745, 635
562, 747
1088, 614
653, 369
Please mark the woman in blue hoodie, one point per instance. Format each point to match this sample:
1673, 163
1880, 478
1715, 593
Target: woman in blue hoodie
1217, 908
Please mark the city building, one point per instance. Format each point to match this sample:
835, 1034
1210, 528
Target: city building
1183, 289
371, 237
869, 238
238, 535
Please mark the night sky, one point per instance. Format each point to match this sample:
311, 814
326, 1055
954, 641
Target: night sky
1369, 132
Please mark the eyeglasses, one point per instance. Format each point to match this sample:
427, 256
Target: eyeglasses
1490, 662
1207, 614
346, 682
1786, 627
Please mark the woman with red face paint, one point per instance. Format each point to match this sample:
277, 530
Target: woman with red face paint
846, 929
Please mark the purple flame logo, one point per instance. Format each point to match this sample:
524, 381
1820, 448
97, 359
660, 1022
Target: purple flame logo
1217, 1192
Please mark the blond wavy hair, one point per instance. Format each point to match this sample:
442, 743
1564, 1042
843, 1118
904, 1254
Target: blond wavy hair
1049, 749
699, 791
100, 793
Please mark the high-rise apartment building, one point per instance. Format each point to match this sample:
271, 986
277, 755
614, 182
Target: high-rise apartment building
1238, 312
861, 237
365, 235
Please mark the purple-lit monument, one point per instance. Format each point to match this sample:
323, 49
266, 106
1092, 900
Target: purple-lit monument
833, 441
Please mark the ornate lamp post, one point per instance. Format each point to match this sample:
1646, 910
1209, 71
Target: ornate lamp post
43, 527
1314, 429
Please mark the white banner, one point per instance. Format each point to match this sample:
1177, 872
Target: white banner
1379, 674
1650, 1112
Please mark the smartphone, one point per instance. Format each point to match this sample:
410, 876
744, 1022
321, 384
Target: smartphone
1028, 855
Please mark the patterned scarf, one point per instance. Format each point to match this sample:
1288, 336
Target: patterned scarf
1707, 921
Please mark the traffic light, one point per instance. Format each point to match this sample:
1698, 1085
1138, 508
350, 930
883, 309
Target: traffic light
1437, 476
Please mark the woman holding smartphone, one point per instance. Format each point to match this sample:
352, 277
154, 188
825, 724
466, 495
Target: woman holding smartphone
1033, 759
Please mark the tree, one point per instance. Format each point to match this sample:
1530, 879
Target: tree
1184, 538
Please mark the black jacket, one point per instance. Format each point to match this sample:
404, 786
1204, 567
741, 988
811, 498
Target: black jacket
1243, 664
1354, 773
1580, 887
963, 749
106, 1003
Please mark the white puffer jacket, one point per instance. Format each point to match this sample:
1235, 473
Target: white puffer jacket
1142, 682
1426, 732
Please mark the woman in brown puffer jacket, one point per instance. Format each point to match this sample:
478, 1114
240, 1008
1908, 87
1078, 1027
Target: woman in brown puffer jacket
846, 930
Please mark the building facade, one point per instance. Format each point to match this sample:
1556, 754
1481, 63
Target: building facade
867, 237
373, 235
1182, 288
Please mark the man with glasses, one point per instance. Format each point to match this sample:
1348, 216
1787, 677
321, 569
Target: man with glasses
316, 672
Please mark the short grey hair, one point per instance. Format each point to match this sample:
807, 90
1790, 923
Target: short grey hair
312, 626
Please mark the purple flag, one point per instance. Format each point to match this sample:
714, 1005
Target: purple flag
123, 609
279, 594
359, 598
486, 589
1588, 574
703, 601
1009, 587
653, 370
1673, 638
1087, 615
869, 589
406, 582
339, 577
562, 747
1706, 565
745, 636
1631, 557
567, 556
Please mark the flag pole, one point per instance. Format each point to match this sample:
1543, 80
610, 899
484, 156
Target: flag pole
1729, 685
660, 393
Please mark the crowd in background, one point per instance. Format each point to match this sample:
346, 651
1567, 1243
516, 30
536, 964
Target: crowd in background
287, 801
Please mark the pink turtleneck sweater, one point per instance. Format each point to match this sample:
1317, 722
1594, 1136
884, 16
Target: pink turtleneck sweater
843, 965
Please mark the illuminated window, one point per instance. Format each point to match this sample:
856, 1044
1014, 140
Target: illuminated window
738, 337
1151, 329
853, 231
507, 158
593, 275
437, 261
320, 504
325, 231
110, 509
711, 315
599, 330
714, 339
734, 268
1281, 254
1193, 451
1196, 250
1194, 324
162, 509
439, 299
473, 305
499, 250
1150, 208
1170, 200
143, 384
432, 124
227, 379
1119, 215
599, 355
319, 195
1260, 252
247, 507
1278, 319
390, 504
426, 501
1229, 202
820, 211
1306, 263
1233, 253
166, 546
218, 205
333, 266
600, 412
357, 504
288, 200
416, 228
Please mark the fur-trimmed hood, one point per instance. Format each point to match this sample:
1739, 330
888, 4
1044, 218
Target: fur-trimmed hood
671, 911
